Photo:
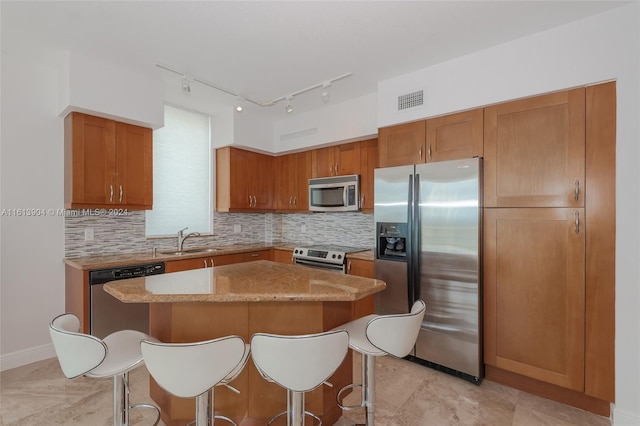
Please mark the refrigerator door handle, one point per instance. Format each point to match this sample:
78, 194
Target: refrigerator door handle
415, 237
409, 246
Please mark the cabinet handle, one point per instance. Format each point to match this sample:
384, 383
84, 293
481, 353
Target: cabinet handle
120, 194
429, 151
111, 193
577, 216
577, 191
290, 201
331, 169
336, 169
348, 267
295, 201
420, 152
205, 263
254, 201
361, 200
250, 201
255, 254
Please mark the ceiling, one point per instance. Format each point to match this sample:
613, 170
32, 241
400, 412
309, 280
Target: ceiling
265, 50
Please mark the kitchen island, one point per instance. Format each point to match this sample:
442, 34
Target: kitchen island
243, 299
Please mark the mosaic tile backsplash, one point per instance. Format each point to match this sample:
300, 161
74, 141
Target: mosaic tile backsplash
126, 233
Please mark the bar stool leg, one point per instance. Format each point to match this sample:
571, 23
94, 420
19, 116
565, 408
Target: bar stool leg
295, 407
202, 409
368, 387
121, 400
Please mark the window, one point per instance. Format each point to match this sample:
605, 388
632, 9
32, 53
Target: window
182, 178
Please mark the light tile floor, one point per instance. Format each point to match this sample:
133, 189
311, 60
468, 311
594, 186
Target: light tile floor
408, 394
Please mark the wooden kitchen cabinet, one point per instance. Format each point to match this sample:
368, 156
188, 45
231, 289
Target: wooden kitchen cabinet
534, 293
244, 181
368, 163
292, 182
362, 268
108, 164
534, 151
401, 145
219, 260
282, 256
455, 136
339, 160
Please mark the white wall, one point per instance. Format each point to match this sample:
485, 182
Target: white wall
31, 272
344, 121
600, 48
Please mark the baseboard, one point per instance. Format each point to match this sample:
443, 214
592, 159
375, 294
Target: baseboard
27, 356
621, 418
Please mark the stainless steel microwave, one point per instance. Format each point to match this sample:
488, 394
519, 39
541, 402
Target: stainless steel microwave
334, 194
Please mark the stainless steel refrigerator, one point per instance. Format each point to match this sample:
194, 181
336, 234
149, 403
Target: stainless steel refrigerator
428, 246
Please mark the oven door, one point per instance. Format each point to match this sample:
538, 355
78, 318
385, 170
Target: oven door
320, 265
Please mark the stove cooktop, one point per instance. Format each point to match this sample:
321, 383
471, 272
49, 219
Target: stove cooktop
326, 254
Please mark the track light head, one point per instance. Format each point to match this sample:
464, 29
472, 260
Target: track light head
186, 85
288, 107
325, 92
239, 107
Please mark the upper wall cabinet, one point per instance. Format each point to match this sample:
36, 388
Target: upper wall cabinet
244, 181
454, 136
339, 160
450, 137
402, 144
368, 162
534, 152
107, 164
292, 177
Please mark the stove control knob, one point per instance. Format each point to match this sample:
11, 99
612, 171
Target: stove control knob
339, 256
333, 256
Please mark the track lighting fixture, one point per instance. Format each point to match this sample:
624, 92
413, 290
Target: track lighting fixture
239, 107
325, 92
186, 87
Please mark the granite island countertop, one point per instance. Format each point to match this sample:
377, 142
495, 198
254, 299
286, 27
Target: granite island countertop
259, 281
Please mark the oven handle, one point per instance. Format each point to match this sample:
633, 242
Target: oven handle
319, 265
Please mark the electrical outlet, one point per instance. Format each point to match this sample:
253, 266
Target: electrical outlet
303, 228
88, 234
237, 229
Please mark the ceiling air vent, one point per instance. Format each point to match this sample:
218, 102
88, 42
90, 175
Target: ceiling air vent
410, 100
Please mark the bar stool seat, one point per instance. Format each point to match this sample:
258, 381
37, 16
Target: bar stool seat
114, 356
299, 364
192, 370
380, 335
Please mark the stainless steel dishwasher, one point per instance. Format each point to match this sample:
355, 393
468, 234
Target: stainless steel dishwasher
106, 313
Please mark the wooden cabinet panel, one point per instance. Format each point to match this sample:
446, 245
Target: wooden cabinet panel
134, 165
244, 180
292, 181
534, 293
256, 255
455, 136
187, 264
282, 256
362, 268
402, 145
368, 163
600, 201
535, 152
107, 164
339, 160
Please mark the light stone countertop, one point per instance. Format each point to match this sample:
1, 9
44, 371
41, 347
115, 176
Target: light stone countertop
259, 281
116, 259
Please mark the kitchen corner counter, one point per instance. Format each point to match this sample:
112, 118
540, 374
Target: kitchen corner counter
259, 281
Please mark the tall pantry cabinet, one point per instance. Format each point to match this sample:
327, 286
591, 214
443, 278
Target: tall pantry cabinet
549, 227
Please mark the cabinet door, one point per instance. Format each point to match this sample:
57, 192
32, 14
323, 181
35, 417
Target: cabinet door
346, 158
134, 166
362, 268
89, 161
535, 152
282, 256
322, 162
243, 175
299, 177
455, 136
185, 264
283, 197
401, 145
368, 162
261, 181
534, 293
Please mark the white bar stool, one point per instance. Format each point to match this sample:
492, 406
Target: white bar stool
380, 335
299, 364
82, 354
192, 370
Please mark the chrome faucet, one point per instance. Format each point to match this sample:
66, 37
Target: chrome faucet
182, 237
